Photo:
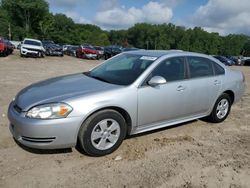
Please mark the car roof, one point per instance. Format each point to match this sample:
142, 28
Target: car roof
160, 53
32, 40
155, 53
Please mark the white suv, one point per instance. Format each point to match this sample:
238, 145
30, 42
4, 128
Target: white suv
32, 47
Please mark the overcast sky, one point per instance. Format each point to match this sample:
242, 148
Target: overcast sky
223, 16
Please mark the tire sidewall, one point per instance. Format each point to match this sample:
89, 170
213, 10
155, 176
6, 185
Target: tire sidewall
214, 114
84, 136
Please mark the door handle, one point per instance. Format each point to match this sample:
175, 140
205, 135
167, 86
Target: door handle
217, 82
180, 88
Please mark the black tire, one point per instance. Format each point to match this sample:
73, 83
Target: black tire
84, 135
5, 54
213, 117
42, 54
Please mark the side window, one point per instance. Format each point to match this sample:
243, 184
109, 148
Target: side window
200, 67
218, 70
171, 69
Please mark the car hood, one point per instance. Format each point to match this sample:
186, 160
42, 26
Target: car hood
58, 89
32, 46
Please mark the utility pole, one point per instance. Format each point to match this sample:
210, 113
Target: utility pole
147, 44
9, 32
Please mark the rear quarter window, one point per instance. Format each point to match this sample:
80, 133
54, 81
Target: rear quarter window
218, 70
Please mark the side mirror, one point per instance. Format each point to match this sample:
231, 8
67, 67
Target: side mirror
156, 80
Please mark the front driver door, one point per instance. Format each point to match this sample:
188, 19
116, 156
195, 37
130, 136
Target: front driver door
167, 101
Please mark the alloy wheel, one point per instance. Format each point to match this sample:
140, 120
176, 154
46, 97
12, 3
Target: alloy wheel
222, 108
105, 134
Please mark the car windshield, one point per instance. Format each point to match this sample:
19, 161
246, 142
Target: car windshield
98, 48
89, 47
123, 69
31, 42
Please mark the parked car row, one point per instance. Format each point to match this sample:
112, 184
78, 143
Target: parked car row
36, 48
94, 52
230, 60
6, 47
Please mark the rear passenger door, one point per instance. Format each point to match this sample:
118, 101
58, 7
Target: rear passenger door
203, 86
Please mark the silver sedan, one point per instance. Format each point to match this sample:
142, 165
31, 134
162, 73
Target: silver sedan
131, 93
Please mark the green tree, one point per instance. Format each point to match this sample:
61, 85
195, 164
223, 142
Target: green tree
4, 23
26, 13
46, 25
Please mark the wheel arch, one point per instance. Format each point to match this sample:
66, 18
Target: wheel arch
120, 110
231, 95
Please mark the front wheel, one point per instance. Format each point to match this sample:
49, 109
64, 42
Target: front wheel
221, 109
102, 133
42, 54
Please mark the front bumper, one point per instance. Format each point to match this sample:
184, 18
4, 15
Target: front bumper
27, 52
43, 134
91, 56
54, 53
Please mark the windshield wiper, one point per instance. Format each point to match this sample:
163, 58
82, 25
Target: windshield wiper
99, 78
96, 77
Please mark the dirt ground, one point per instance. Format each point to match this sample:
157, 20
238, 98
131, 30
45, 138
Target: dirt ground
194, 154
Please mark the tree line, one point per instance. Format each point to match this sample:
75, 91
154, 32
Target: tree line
31, 18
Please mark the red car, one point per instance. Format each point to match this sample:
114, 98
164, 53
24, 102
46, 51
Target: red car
6, 47
87, 51
3, 47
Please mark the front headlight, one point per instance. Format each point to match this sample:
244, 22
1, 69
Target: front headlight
49, 111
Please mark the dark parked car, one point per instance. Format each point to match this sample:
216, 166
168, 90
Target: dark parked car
52, 49
247, 62
87, 51
224, 60
71, 50
237, 60
111, 51
18, 46
10, 46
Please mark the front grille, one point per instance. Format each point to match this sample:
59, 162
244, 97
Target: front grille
38, 140
17, 108
33, 49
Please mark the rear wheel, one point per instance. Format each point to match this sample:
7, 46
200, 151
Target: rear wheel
102, 133
221, 109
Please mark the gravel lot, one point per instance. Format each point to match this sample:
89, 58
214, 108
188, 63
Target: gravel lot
194, 154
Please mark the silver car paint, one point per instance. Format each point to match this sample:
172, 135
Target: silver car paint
194, 99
